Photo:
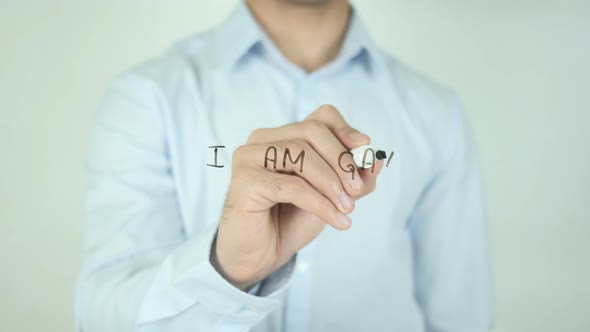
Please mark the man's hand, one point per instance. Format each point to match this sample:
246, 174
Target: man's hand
269, 213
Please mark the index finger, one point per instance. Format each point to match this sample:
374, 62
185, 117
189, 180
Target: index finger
331, 117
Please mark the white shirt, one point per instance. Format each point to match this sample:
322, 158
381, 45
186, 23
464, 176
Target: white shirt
415, 259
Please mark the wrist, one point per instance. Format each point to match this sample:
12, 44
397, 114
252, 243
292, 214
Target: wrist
239, 278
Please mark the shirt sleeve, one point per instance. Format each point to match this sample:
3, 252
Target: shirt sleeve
141, 270
450, 241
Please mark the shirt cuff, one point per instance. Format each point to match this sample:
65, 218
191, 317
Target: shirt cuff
187, 278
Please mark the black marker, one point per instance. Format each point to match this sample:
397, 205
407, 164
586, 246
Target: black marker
365, 156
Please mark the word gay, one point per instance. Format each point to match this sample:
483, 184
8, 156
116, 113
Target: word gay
270, 157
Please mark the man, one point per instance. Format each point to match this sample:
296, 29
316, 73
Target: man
173, 244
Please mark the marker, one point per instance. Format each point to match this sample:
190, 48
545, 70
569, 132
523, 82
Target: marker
367, 153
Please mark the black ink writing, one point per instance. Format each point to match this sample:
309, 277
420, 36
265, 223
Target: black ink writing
301, 156
389, 159
274, 159
372, 159
271, 156
215, 147
350, 167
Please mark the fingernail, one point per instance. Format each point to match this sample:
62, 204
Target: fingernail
346, 201
356, 135
343, 220
357, 183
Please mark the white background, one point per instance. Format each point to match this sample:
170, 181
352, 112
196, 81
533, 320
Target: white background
522, 68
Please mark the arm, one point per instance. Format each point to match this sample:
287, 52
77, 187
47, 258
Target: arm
450, 237
141, 272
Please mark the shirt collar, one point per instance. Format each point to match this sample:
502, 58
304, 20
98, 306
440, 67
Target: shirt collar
239, 35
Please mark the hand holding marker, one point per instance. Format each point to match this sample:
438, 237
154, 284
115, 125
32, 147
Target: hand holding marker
359, 155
